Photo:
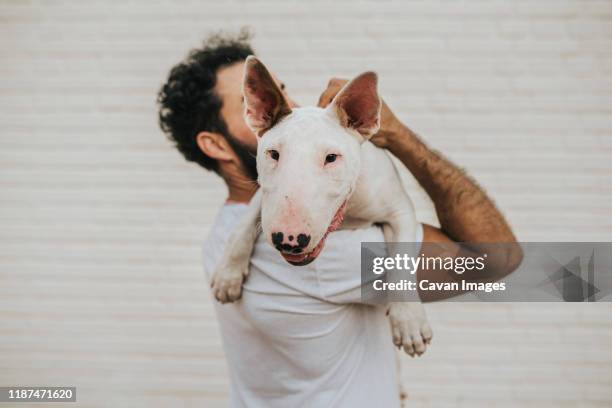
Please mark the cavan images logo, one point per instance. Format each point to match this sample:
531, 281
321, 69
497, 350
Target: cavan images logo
549, 272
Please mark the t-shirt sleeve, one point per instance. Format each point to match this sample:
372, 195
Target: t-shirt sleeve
339, 264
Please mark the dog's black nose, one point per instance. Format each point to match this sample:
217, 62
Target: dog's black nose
303, 240
289, 244
277, 238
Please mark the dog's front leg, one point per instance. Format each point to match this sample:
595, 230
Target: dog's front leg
409, 325
234, 264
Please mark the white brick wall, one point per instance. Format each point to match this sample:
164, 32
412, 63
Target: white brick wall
101, 221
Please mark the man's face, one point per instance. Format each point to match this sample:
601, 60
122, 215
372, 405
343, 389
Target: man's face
229, 89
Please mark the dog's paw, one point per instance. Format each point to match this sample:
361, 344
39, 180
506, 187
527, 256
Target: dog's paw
227, 284
409, 327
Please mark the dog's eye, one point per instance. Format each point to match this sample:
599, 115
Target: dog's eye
274, 154
330, 158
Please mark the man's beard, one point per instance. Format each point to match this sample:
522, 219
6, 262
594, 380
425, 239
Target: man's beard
246, 155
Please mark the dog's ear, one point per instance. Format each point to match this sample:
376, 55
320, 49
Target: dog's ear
264, 103
358, 105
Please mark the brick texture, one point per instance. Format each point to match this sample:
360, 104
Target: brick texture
101, 221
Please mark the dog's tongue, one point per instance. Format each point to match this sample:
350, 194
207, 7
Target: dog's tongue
305, 259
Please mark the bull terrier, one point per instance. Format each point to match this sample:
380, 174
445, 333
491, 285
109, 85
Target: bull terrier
317, 173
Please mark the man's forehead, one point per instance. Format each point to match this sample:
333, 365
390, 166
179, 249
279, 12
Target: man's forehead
229, 79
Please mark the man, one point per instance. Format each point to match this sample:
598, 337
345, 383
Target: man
300, 335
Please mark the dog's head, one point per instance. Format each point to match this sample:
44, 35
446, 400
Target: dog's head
308, 159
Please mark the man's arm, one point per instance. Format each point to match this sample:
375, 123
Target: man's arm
466, 214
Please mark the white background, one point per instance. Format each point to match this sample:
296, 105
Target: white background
101, 220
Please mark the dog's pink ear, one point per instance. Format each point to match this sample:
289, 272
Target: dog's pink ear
264, 103
358, 105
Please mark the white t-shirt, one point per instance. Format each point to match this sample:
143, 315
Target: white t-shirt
299, 336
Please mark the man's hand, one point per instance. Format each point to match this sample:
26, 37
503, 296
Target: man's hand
390, 126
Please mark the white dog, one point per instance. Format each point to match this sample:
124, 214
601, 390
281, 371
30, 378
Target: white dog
317, 174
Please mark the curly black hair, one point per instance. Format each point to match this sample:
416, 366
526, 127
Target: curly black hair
187, 101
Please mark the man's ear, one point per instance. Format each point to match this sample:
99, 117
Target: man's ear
214, 146
358, 105
264, 103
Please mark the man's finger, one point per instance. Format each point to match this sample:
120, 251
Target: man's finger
326, 97
333, 87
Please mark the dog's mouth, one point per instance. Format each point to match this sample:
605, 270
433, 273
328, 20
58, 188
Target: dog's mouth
305, 259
